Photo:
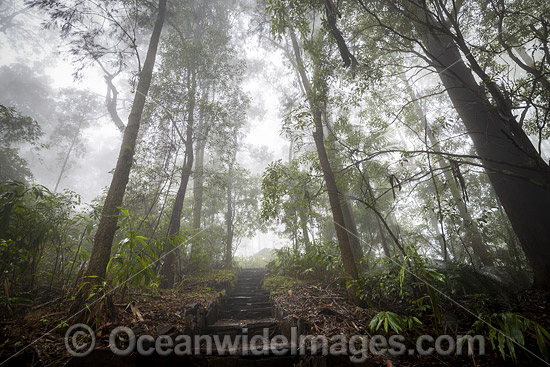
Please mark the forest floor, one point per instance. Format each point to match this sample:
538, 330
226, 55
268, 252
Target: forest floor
38, 331
321, 309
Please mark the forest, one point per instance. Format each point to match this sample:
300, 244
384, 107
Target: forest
316, 182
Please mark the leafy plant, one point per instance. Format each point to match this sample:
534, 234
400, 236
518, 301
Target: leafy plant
37, 231
397, 281
511, 331
134, 257
390, 320
321, 261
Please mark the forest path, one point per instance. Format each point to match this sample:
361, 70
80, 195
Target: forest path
248, 310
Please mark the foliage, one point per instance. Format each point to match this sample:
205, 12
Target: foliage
320, 262
134, 257
258, 260
507, 330
103, 30
403, 284
215, 278
37, 225
393, 321
287, 195
15, 129
280, 282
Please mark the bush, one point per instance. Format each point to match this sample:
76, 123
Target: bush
321, 261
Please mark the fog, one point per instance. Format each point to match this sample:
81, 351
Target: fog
41, 57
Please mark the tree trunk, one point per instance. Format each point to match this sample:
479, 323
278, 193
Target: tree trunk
519, 176
351, 226
103, 240
198, 180
302, 214
104, 236
473, 234
198, 185
372, 199
346, 252
301, 211
64, 166
383, 240
168, 271
229, 224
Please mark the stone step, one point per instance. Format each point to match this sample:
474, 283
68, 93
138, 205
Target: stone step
246, 315
257, 285
231, 327
251, 275
247, 305
238, 293
247, 299
249, 285
238, 309
251, 292
244, 308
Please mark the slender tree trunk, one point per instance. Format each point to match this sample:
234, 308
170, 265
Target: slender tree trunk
229, 225
351, 226
229, 214
372, 198
370, 203
302, 214
335, 200
103, 240
168, 271
170, 180
385, 246
198, 180
64, 166
473, 234
519, 176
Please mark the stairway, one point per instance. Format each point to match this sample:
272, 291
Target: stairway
248, 300
247, 310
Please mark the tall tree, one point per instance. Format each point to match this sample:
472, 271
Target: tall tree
169, 267
335, 197
520, 177
103, 239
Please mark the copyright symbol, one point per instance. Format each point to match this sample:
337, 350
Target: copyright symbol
79, 340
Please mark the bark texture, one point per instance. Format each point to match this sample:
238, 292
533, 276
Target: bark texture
521, 179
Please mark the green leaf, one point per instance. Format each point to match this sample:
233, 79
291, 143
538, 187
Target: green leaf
539, 332
501, 344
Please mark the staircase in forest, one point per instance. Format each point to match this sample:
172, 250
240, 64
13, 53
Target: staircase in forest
247, 310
